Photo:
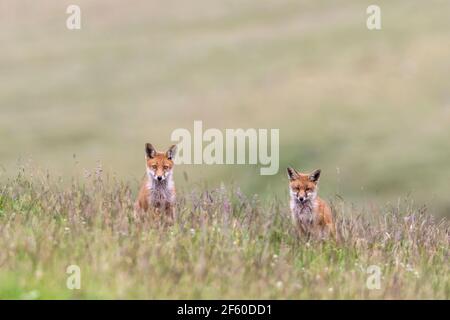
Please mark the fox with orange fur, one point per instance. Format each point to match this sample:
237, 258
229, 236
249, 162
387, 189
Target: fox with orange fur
157, 192
310, 214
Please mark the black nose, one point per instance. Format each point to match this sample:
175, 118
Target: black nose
159, 178
301, 199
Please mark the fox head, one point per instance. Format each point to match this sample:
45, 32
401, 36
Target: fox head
303, 187
159, 164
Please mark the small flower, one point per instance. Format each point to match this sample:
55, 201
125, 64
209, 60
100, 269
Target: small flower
39, 273
32, 295
409, 268
226, 206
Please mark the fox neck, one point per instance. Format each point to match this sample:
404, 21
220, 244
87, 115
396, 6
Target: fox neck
306, 207
161, 190
303, 213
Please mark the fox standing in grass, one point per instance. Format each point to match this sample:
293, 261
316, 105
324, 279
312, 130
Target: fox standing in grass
157, 192
311, 215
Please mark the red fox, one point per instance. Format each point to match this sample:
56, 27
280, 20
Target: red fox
158, 189
311, 215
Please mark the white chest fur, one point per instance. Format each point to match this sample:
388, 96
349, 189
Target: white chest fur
160, 192
303, 214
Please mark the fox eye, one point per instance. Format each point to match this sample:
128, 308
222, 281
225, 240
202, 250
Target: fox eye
154, 166
166, 167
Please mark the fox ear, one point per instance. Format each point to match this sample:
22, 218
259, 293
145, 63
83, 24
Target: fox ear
171, 152
150, 151
314, 177
292, 173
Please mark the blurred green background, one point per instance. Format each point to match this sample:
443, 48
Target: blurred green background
371, 108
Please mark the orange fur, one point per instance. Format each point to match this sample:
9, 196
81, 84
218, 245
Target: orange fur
310, 214
157, 192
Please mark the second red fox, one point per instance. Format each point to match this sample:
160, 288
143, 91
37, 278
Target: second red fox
310, 214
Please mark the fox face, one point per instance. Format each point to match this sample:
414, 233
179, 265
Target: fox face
303, 187
159, 164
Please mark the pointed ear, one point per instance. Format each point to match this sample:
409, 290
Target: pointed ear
292, 173
171, 152
314, 177
150, 151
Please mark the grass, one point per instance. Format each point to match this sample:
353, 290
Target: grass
370, 108
224, 245
373, 106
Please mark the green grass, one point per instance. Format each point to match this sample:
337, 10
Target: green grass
370, 108
223, 245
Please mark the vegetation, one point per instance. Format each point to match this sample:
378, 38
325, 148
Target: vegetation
370, 108
223, 245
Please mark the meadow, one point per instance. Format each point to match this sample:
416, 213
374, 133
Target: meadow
370, 108
223, 245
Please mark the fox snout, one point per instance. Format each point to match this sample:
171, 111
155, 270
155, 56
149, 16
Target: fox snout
161, 177
301, 196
